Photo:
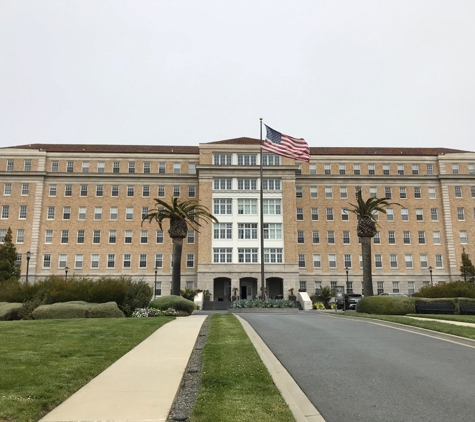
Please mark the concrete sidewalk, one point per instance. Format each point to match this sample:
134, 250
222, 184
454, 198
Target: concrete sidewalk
140, 386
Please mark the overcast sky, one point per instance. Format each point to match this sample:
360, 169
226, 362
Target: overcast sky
338, 73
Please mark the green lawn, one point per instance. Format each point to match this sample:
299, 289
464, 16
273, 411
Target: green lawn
236, 386
441, 327
43, 362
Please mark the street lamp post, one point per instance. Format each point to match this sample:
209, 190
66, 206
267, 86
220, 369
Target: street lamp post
28, 256
430, 272
66, 269
155, 285
347, 284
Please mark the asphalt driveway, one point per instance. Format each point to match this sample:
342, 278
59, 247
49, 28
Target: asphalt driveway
354, 370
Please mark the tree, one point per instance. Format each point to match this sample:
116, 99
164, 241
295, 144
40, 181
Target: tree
366, 229
467, 269
181, 216
9, 269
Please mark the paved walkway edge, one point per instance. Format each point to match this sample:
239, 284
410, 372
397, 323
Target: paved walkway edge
301, 407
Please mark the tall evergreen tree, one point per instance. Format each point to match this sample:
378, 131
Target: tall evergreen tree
467, 269
9, 269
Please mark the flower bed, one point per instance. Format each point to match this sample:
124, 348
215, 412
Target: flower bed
259, 303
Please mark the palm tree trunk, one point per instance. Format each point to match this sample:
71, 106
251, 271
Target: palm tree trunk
176, 271
367, 266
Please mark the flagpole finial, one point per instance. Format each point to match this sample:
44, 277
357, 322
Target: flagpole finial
260, 118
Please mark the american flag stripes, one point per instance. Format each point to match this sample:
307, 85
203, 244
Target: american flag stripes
286, 145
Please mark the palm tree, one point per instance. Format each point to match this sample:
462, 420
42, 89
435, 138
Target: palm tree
181, 215
366, 229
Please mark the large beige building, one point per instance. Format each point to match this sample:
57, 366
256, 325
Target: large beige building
79, 208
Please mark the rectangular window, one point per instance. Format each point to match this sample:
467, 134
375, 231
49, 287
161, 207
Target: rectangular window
128, 237
380, 287
463, 237
46, 260
49, 236
436, 237
81, 213
300, 236
62, 260
78, 260
247, 206
402, 193
222, 184
424, 262
161, 191
272, 206
376, 238
191, 191
471, 169
328, 192
273, 231
68, 190
176, 191
388, 193
191, 237
247, 230
158, 260
312, 169
347, 260
327, 169
472, 191
299, 214
273, 255
415, 169
373, 192
6, 212
176, 168
458, 191
247, 159
315, 236
222, 159
146, 167
83, 190
317, 260
343, 192
345, 214
400, 169
223, 206
222, 255
438, 261
113, 213
54, 166
434, 215
52, 190
22, 212
301, 260
407, 238
144, 212
357, 169
298, 192
101, 165
313, 192
386, 170
95, 260
417, 193
395, 286
162, 168
64, 236
191, 168
80, 237
432, 193
131, 167
116, 167
7, 189
99, 190
112, 236
389, 214
371, 169
419, 214
130, 191
20, 235
421, 235
455, 168
430, 169
129, 213
329, 214
143, 237
190, 260
3, 233
111, 260
97, 213
410, 288
159, 236
115, 190
247, 184
222, 230
392, 237
342, 169
331, 260
70, 167
314, 214
127, 260
247, 255
143, 260
408, 260
460, 213
393, 261
357, 191
96, 237
346, 237
85, 167
50, 213
146, 191
404, 214
378, 261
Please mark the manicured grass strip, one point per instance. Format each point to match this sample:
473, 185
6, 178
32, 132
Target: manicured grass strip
459, 318
441, 327
236, 386
43, 362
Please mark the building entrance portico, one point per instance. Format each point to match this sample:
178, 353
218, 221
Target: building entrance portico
275, 287
248, 288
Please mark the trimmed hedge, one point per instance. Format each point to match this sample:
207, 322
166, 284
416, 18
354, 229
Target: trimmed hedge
175, 302
9, 311
448, 290
78, 309
105, 310
386, 305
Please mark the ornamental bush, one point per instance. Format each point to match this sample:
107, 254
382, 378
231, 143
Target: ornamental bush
386, 305
62, 311
104, 310
259, 303
452, 289
175, 302
9, 311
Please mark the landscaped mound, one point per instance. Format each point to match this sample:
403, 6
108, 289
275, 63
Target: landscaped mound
444, 290
386, 305
9, 311
174, 302
78, 309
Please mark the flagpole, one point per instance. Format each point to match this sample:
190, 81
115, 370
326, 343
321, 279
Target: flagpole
262, 220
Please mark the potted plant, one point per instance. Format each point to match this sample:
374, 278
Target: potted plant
291, 295
324, 295
235, 292
206, 295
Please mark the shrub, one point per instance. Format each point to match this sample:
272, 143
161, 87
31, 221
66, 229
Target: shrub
386, 305
318, 305
138, 295
61, 311
175, 302
444, 290
9, 311
26, 311
259, 303
104, 310
189, 293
